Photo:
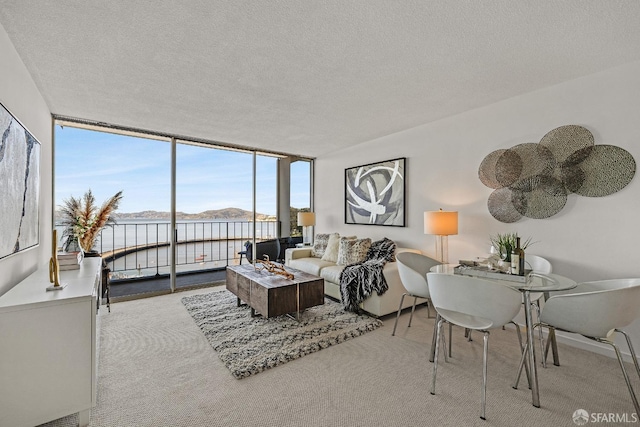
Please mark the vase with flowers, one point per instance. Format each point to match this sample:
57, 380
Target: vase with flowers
505, 243
82, 220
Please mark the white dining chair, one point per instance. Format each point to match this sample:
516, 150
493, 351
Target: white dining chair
475, 304
413, 268
538, 264
596, 310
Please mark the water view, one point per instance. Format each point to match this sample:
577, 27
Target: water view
140, 248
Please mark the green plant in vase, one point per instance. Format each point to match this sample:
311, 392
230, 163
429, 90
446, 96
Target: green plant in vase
505, 243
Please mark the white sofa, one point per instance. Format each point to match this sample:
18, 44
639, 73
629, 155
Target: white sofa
302, 259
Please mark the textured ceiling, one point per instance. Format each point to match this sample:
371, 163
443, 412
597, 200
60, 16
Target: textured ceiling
306, 77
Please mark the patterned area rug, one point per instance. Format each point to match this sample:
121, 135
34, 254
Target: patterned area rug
249, 345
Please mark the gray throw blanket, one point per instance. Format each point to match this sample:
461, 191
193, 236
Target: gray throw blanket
359, 281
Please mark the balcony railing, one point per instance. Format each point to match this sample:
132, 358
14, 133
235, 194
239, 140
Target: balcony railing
134, 249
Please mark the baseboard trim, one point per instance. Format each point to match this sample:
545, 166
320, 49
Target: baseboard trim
582, 343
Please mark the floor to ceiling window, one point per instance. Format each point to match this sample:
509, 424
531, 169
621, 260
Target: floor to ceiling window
214, 204
214, 201
300, 191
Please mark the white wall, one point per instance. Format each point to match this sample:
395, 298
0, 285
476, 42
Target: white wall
590, 239
19, 94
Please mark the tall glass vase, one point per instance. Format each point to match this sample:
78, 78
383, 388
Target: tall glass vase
73, 245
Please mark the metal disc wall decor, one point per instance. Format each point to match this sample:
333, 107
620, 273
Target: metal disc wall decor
534, 179
501, 207
539, 197
487, 171
607, 170
566, 140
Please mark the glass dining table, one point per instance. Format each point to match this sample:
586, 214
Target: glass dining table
536, 282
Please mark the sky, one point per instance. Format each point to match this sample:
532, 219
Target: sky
206, 178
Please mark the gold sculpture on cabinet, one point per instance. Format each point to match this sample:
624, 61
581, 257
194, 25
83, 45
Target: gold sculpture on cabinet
54, 268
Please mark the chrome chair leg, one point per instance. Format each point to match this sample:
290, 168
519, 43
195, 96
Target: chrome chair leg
522, 350
484, 374
551, 343
435, 359
624, 373
524, 363
443, 337
631, 350
540, 337
434, 338
523, 360
398, 316
413, 308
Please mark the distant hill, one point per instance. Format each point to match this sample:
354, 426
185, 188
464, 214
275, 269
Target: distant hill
226, 213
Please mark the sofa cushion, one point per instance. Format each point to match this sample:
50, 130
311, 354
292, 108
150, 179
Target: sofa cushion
331, 253
332, 273
311, 265
353, 251
320, 244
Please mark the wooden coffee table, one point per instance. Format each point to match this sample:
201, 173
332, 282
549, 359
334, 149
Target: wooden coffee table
272, 294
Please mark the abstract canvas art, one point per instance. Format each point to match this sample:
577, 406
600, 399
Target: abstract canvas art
19, 186
375, 194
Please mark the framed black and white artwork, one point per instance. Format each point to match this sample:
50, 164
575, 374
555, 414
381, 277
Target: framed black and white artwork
19, 186
375, 194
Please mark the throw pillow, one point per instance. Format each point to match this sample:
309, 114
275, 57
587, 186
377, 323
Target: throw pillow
331, 252
383, 249
319, 245
353, 251
343, 248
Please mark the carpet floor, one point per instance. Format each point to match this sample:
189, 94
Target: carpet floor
249, 345
157, 369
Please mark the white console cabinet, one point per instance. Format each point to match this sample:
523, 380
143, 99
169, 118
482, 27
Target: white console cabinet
48, 357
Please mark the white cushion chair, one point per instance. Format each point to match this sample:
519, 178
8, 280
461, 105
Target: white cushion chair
475, 304
413, 269
538, 264
596, 310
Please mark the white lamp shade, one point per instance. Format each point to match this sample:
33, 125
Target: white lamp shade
441, 223
306, 219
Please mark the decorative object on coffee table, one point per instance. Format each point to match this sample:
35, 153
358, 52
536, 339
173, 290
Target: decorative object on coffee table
249, 345
274, 268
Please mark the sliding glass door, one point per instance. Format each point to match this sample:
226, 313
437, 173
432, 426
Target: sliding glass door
90, 163
214, 206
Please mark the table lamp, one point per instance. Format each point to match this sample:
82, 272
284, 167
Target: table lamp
442, 224
307, 220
